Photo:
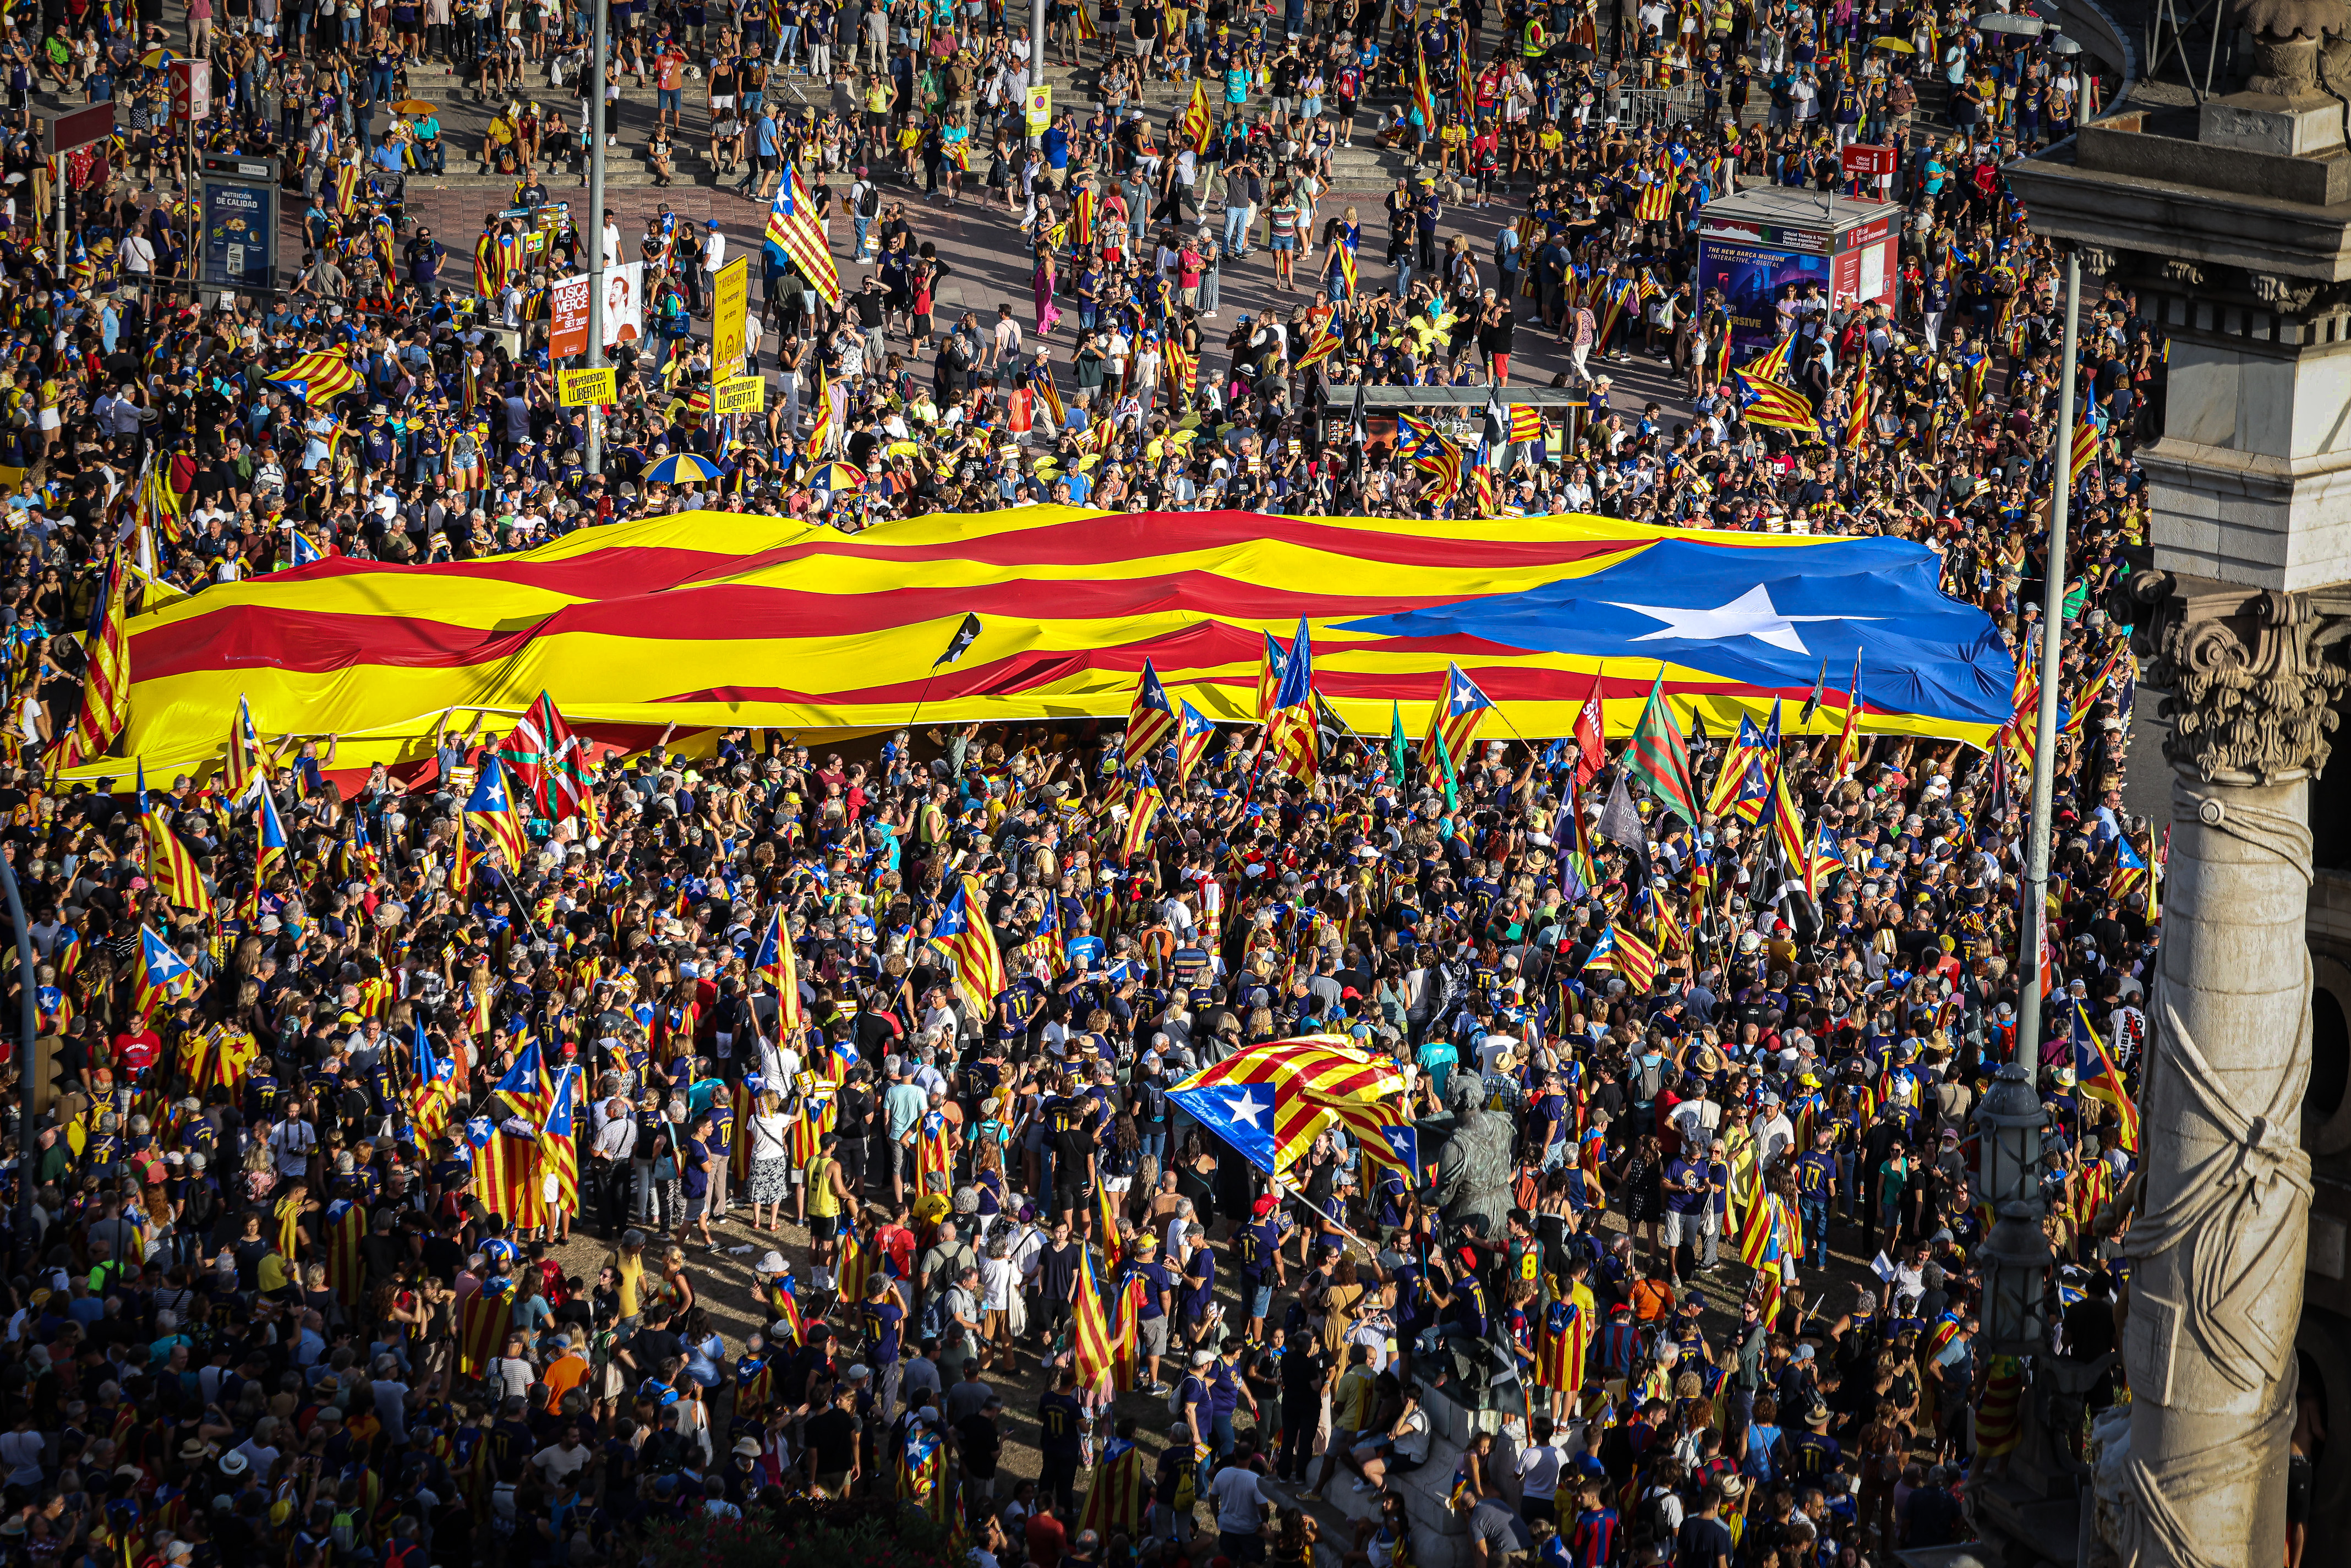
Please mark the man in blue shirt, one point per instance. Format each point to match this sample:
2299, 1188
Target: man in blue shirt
882, 1317
1055, 145
1060, 1430
763, 166
1199, 1291
1197, 1404
1225, 1393
432, 153
1684, 1207
1150, 1317
1550, 1116
1256, 1253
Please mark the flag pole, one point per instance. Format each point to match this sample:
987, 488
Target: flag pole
521, 907
2044, 743
957, 646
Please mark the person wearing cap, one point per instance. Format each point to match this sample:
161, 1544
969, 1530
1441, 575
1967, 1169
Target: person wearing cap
1256, 1253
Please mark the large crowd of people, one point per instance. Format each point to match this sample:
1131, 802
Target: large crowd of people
282, 1293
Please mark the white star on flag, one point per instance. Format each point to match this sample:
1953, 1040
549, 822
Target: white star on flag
1752, 614
1247, 1108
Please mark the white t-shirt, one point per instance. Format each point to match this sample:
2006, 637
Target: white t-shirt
1539, 1471
1000, 1281
1239, 1504
767, 1134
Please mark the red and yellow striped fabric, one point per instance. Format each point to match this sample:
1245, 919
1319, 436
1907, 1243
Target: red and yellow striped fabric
1308, 1076
713, 619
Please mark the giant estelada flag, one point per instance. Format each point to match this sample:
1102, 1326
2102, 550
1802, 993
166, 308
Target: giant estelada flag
1269, 1102
713, 619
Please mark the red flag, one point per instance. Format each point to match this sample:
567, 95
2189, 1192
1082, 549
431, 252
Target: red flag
1591, 733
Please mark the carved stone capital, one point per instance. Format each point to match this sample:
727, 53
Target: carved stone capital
2179, 270
2097, 260
2253, 675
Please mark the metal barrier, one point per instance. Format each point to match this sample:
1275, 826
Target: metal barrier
1643, 106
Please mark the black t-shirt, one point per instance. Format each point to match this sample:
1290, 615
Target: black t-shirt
981, 1443
1056, 1268
831, 1434
1069, 1120
1060, 1420
856, 1118
1702, 1543
873, 1036
651, 1349
1302, 1373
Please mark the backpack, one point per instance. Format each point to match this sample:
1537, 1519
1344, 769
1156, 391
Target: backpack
345, 1530
664, 1451
201, 1207
1653, 1076
869, 204
1650, 1519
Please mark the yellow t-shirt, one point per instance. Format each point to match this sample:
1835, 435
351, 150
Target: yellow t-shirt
822, 1202
273, 1272
631, 1273
1351, 1403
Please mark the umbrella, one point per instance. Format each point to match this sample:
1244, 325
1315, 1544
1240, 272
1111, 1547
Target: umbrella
681, 465
1899, 46
1577, 53
414, 106
155, 57
838, 477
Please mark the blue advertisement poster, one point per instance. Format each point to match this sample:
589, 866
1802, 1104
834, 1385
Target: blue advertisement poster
240, 235
1753, 278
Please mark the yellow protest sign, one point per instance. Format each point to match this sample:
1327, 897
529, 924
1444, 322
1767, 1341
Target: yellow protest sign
739, 394
594, 384
1041, 107
730, 299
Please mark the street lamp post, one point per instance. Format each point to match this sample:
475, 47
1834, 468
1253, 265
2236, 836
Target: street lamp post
1036, 57
596, 231
28, 1025
2032, 917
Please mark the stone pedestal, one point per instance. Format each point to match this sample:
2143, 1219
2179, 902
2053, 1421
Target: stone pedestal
2310, 126
2223, 1226
2239, 248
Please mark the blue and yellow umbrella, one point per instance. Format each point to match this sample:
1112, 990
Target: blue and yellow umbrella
838, 479
681, 466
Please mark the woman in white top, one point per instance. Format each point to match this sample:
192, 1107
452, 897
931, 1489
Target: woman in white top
772, 1161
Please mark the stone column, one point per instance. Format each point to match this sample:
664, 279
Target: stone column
2220, 1238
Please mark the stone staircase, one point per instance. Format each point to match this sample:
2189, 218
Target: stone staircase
1362, 168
